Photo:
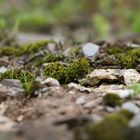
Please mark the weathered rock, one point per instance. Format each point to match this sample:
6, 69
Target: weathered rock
135, 121
12, 91
131, 76
91, 50
101, 74
3, 69
79, 87
12, 83
131, 107
50, 82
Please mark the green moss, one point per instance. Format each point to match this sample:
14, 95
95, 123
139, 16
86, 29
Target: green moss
49, 58
34, 47
64, 74
25, 49
112, 99
9, 51
112, 127
130, 59
114, 50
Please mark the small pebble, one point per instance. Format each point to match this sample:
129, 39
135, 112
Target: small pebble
91, 50
3, 69
131, 107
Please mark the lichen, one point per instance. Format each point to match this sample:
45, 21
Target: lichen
112, 99
66, 74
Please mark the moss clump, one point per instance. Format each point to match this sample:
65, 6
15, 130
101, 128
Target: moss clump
50, 58
34, 47
114, 50
64, 74
9, 51
130, 59
112, 127
25, 77
25, 49
112, 99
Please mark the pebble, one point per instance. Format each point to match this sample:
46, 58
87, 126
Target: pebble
135, 121
131, 76
81, 100
131, 107
123, 93
91, 50
50, 82
3, 69
79, 87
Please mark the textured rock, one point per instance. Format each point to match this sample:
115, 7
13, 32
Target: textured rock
103, 74
131, 76
51, 82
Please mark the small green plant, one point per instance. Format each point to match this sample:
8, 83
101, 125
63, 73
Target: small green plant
136, 88
49, 58
34, 47
64, 74
25, 77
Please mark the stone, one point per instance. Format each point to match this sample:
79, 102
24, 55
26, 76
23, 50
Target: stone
103, 74
3, 69
81, 100
135, 121
12, 83
131, 76
50, 82
91, 50
11, 91
79, 87
130, 106
123, 93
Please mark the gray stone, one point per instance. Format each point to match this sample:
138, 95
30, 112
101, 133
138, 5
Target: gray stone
12, 83
135, 121
91, 50
131, 107
3, 69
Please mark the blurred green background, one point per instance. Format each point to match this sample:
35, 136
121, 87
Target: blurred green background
102, 17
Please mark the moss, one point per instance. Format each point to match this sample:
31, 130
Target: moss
111, 128
130, 59
112, 99
34, 47
25, 49
49, 58
9, 51
25, 77
114, 50
64, 74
